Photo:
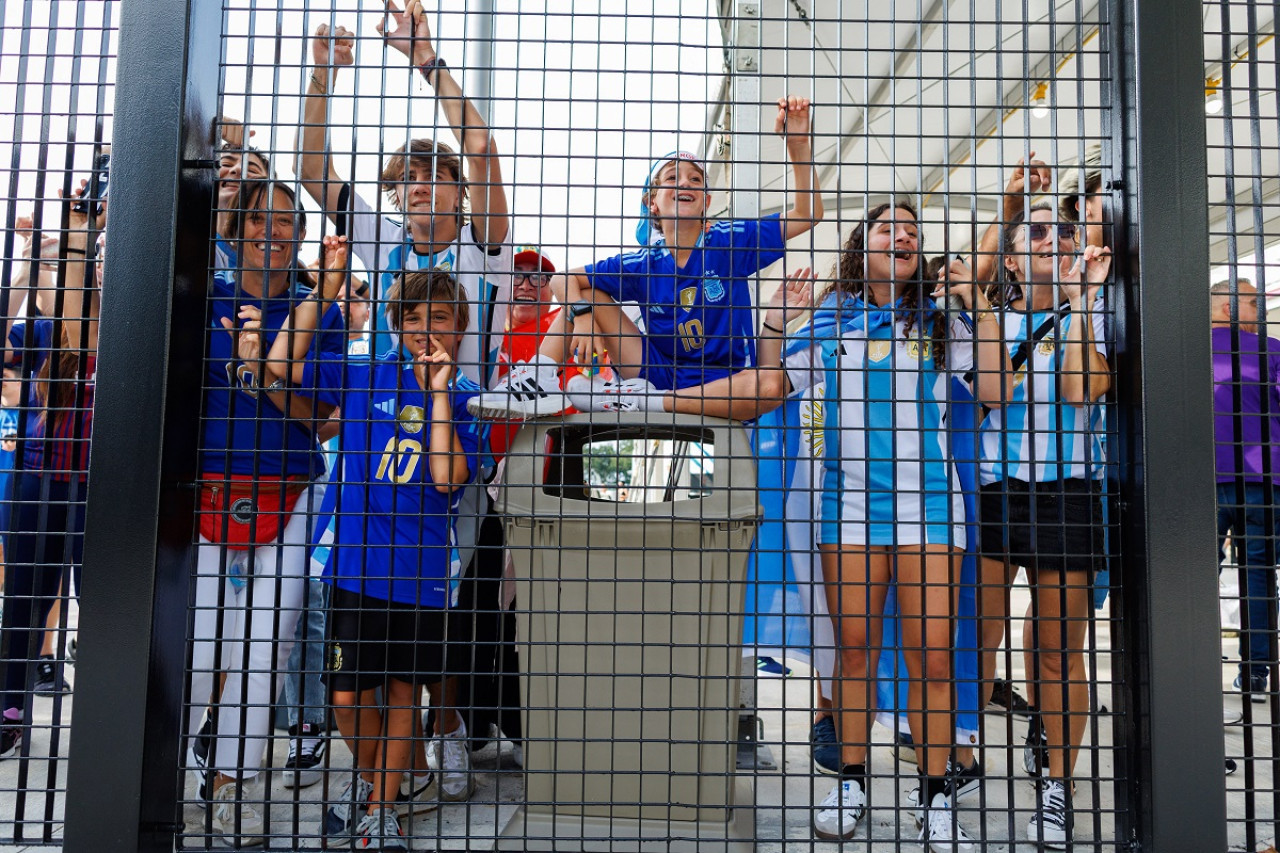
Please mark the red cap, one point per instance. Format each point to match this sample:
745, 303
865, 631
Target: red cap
533, 255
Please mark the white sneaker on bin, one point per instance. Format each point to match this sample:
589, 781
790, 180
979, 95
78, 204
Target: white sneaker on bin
530, 390
626, 395
837, 816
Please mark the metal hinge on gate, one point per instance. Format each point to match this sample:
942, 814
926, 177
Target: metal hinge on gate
747, 37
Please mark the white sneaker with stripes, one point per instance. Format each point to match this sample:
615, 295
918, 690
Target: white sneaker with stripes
618, 395
530, 390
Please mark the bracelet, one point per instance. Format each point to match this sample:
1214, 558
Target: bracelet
324, 90
774, 329
430, 65
982, 315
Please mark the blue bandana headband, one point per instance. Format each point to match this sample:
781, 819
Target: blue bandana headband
645, 234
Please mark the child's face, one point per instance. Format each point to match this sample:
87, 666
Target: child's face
679, 191
428, 191
427, 319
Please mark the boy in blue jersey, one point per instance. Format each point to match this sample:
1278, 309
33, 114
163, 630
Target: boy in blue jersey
406, 448
691, 280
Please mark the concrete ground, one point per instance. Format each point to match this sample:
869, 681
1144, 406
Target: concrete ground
783, 797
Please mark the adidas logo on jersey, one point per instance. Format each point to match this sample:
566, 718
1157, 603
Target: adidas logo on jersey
387, 407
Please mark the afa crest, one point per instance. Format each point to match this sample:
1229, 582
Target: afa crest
335, 657
878, 350
411, 419
917, 350
445, 265
1047, 345
713, 289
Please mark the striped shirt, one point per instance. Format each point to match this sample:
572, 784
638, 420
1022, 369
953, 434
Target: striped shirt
1039, 437
67, 443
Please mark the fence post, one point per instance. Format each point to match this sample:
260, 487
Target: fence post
1172, 663
122, 779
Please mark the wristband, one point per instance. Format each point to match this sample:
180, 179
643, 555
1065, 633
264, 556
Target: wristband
431, 65
322, 87
70, 250
774, 329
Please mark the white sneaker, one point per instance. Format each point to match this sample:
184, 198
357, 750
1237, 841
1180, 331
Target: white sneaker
939, 832
517, 755
838, 815
239, 823
530, 390
418, 794
627, 395
1051, 823
433, 752
379, 830
456, 782
337, 825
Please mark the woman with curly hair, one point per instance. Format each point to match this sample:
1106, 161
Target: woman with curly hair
892, 512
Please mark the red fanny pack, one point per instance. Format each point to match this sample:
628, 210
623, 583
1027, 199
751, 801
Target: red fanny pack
241, 512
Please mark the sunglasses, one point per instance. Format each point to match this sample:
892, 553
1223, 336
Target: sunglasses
1039, 230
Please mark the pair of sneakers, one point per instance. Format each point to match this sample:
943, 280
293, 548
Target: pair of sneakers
532, 390
836, 818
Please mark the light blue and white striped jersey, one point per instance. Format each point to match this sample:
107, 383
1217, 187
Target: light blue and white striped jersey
1038, 437
383, 245
888, 479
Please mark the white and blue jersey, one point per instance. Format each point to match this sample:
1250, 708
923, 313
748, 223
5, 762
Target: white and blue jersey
889, 477
243, 431
699, 319
395, 538
1038, 436
383, 244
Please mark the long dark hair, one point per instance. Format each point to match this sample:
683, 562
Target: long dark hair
1007, 289
850, 276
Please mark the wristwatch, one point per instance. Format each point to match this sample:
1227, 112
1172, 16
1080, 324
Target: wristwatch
277, 385
582, 306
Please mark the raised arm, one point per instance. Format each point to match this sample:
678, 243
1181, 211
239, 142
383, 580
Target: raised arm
794, 126
1086, 376
1024, 181
288, 355
329, 52
445, 454
992, 371
412, 37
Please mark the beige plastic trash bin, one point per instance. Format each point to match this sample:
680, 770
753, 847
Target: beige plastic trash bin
630, 633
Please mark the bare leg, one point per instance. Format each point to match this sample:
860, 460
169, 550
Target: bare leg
857, 582
927, 602
993, 614
360, 723
1061, 605
397, 745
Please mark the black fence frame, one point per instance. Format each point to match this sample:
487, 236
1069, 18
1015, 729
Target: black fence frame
141, 499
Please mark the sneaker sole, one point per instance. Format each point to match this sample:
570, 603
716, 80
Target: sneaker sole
835, 836
425, 800
446, 797
1050, 844
499, 407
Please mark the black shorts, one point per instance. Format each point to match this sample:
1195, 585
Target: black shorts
370, 640
1053, 525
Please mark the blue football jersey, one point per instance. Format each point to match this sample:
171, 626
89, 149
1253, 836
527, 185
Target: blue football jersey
394, 537
699, 319
243, 431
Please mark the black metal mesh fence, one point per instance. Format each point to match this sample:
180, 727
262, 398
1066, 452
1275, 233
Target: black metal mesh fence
1240, 106
685, 426
56, 74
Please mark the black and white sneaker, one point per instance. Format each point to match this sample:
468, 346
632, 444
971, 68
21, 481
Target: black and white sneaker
624, 395
530, 390
305, 764
1035, 754
10, 739
49, 680
1051, 825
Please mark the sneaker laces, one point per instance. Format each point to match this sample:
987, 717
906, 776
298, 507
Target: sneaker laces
1053, 803
847, 796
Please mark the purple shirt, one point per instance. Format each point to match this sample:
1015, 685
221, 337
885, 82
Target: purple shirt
1256, 376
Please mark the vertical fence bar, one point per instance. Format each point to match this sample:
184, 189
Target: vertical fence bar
1170, 619
139, 518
